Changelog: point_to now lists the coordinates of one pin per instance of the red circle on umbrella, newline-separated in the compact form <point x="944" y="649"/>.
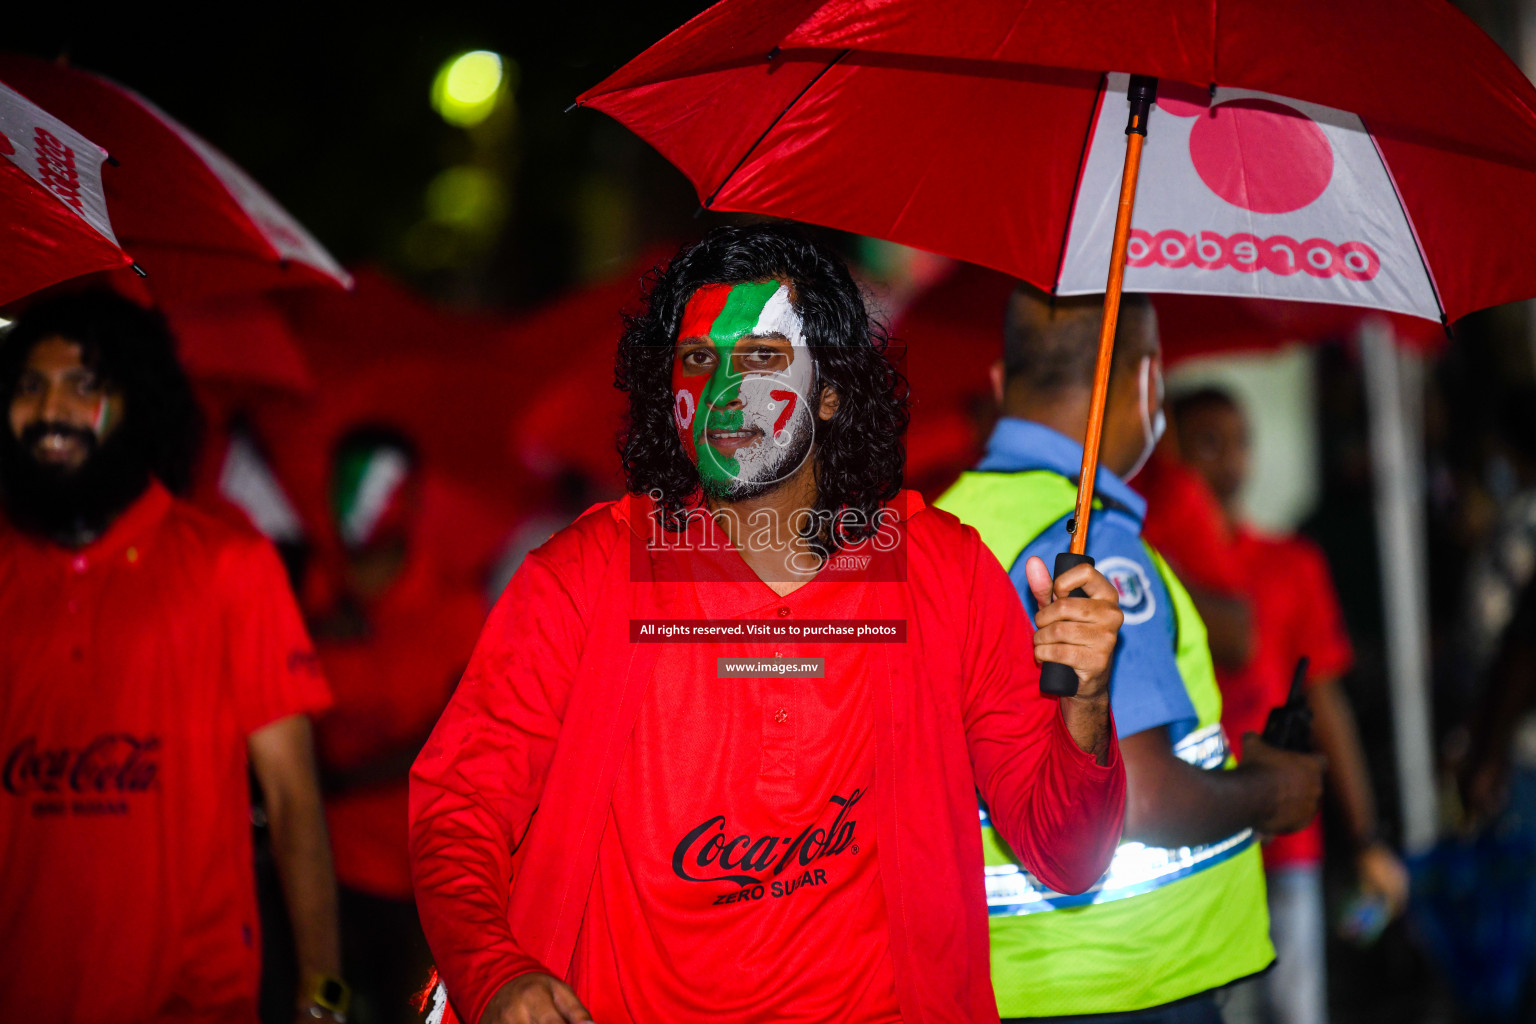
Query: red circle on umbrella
<point x="1182" y="99"/>
<point x="1261" y="155"/>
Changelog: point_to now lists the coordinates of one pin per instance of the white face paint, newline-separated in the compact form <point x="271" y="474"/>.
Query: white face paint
<point x="1152" y="424"/>
<point x="778" y="404"/>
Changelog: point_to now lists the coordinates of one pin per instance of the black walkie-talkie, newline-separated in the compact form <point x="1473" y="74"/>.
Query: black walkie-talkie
<point x="1289" y="726"/>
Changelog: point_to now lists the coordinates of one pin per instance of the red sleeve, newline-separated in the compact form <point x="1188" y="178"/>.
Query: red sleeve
<point x="272" y="664"/>
<point x="1058" y="809"/>
<point x="1321" y="633"/>
<point x="478" y="780"/>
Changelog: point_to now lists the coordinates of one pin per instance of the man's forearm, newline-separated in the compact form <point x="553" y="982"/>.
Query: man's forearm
<point x="283" y="758"/>
<point x="1172" y="803"/>
<point x="1087" y="720"/>
<point x="1333" y="725"/>
<point x="303" y="854"/>
<point x="1212" y="806"/>
<point x="461" y="863"/>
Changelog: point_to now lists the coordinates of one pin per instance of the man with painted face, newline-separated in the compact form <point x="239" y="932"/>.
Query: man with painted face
<point x="393" y="643"/>
<point x="775" y="821"/>
<point x="745" y="419"/>
<point x="149" y="654"/>
<point x="1181" y="911"/>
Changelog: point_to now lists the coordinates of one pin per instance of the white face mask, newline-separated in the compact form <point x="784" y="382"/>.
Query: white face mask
<point x="1152" y="424"/>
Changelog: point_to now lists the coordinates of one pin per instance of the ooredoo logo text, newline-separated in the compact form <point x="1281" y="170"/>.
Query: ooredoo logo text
<point x="1260" y="155"/>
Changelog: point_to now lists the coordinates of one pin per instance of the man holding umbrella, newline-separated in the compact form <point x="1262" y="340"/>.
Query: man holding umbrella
<point x="779" y="828"/>
<point x="1181" y="911"/>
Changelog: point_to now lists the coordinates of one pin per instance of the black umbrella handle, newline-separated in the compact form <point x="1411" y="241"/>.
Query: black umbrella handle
<point x="1057" y="680"/>
<point x="1142" y="93"/>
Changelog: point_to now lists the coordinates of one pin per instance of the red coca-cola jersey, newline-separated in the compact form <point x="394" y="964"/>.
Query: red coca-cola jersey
<point x="131" y="673"/>
<point x="771" y="845"/>
<point x="1296" y="614"/>
<point x="511" y="797"/>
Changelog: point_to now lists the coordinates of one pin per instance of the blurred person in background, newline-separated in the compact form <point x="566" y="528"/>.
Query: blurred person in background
<point x="151" y="654"/>
<point x="1296" y="614"/>
<point x="1186" y="523"/>
<point x="1181" y="912"/>
<point x="612" y="830"/>
<point x="392" y="646"/>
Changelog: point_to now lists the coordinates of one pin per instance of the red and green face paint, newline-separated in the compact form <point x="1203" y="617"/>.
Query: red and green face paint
<point x="368" y="495"/>
<point x="744" y="416"/>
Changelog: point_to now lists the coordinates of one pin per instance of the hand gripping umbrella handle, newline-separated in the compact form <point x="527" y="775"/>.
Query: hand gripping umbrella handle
<point x="1057" y="680"/>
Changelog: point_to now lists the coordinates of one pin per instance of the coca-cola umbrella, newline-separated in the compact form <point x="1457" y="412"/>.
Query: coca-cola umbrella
<point x="196" y="223"/>
<point x="56" y="225"/>
<point x="1379" y="153"/>
<point x="242" y="342"/>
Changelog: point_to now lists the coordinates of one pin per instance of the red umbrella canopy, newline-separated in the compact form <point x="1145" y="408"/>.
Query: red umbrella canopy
<point x="196" y="223"/>
<point x="381" y="319"/>
<point x="572" y="420"/>
<point x="243" y="341"/>
<point x="381" y="355"/>
<point x="1374" y="153"/>
<point x="952" y="334"/>
<point x="56" y="224"/>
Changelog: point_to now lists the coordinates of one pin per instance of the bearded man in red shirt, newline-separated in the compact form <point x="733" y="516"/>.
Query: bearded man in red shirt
<point x="149" y="654"/>
<point x="717" y="752"/>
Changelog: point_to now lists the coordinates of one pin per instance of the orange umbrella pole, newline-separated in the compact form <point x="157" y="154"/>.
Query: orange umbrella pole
<point x="1142" y="92"/>
<point x="1060" y="680"/>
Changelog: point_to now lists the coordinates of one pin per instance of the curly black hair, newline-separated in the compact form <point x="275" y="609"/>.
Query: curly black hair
<point x="859" y="453"/>
<point x="132" y="349"/>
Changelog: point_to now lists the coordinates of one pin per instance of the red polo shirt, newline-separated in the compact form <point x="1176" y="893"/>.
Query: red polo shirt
<point x="1187" y="526"/>
<point x="133" y="671"/>
<point x="771" y="851"/>
<point x="1296" y="613"/>
<point x="555" y="777"/>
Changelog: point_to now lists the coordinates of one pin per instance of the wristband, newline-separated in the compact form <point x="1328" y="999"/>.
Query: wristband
<point x="329" y="994"/>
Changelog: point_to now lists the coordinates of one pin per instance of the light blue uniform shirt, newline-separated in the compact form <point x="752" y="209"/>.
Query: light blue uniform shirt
<point x="1145" y="689"/>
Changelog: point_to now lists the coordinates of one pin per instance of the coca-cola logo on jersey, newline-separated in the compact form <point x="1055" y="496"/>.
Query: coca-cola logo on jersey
<point x="711" y="852"/>
<point x="111" y="764"/>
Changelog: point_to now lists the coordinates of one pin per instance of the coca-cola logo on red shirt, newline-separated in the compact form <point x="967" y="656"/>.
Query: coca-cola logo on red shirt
<point x="111" y="763"/>
<point x="709" y="853"/>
